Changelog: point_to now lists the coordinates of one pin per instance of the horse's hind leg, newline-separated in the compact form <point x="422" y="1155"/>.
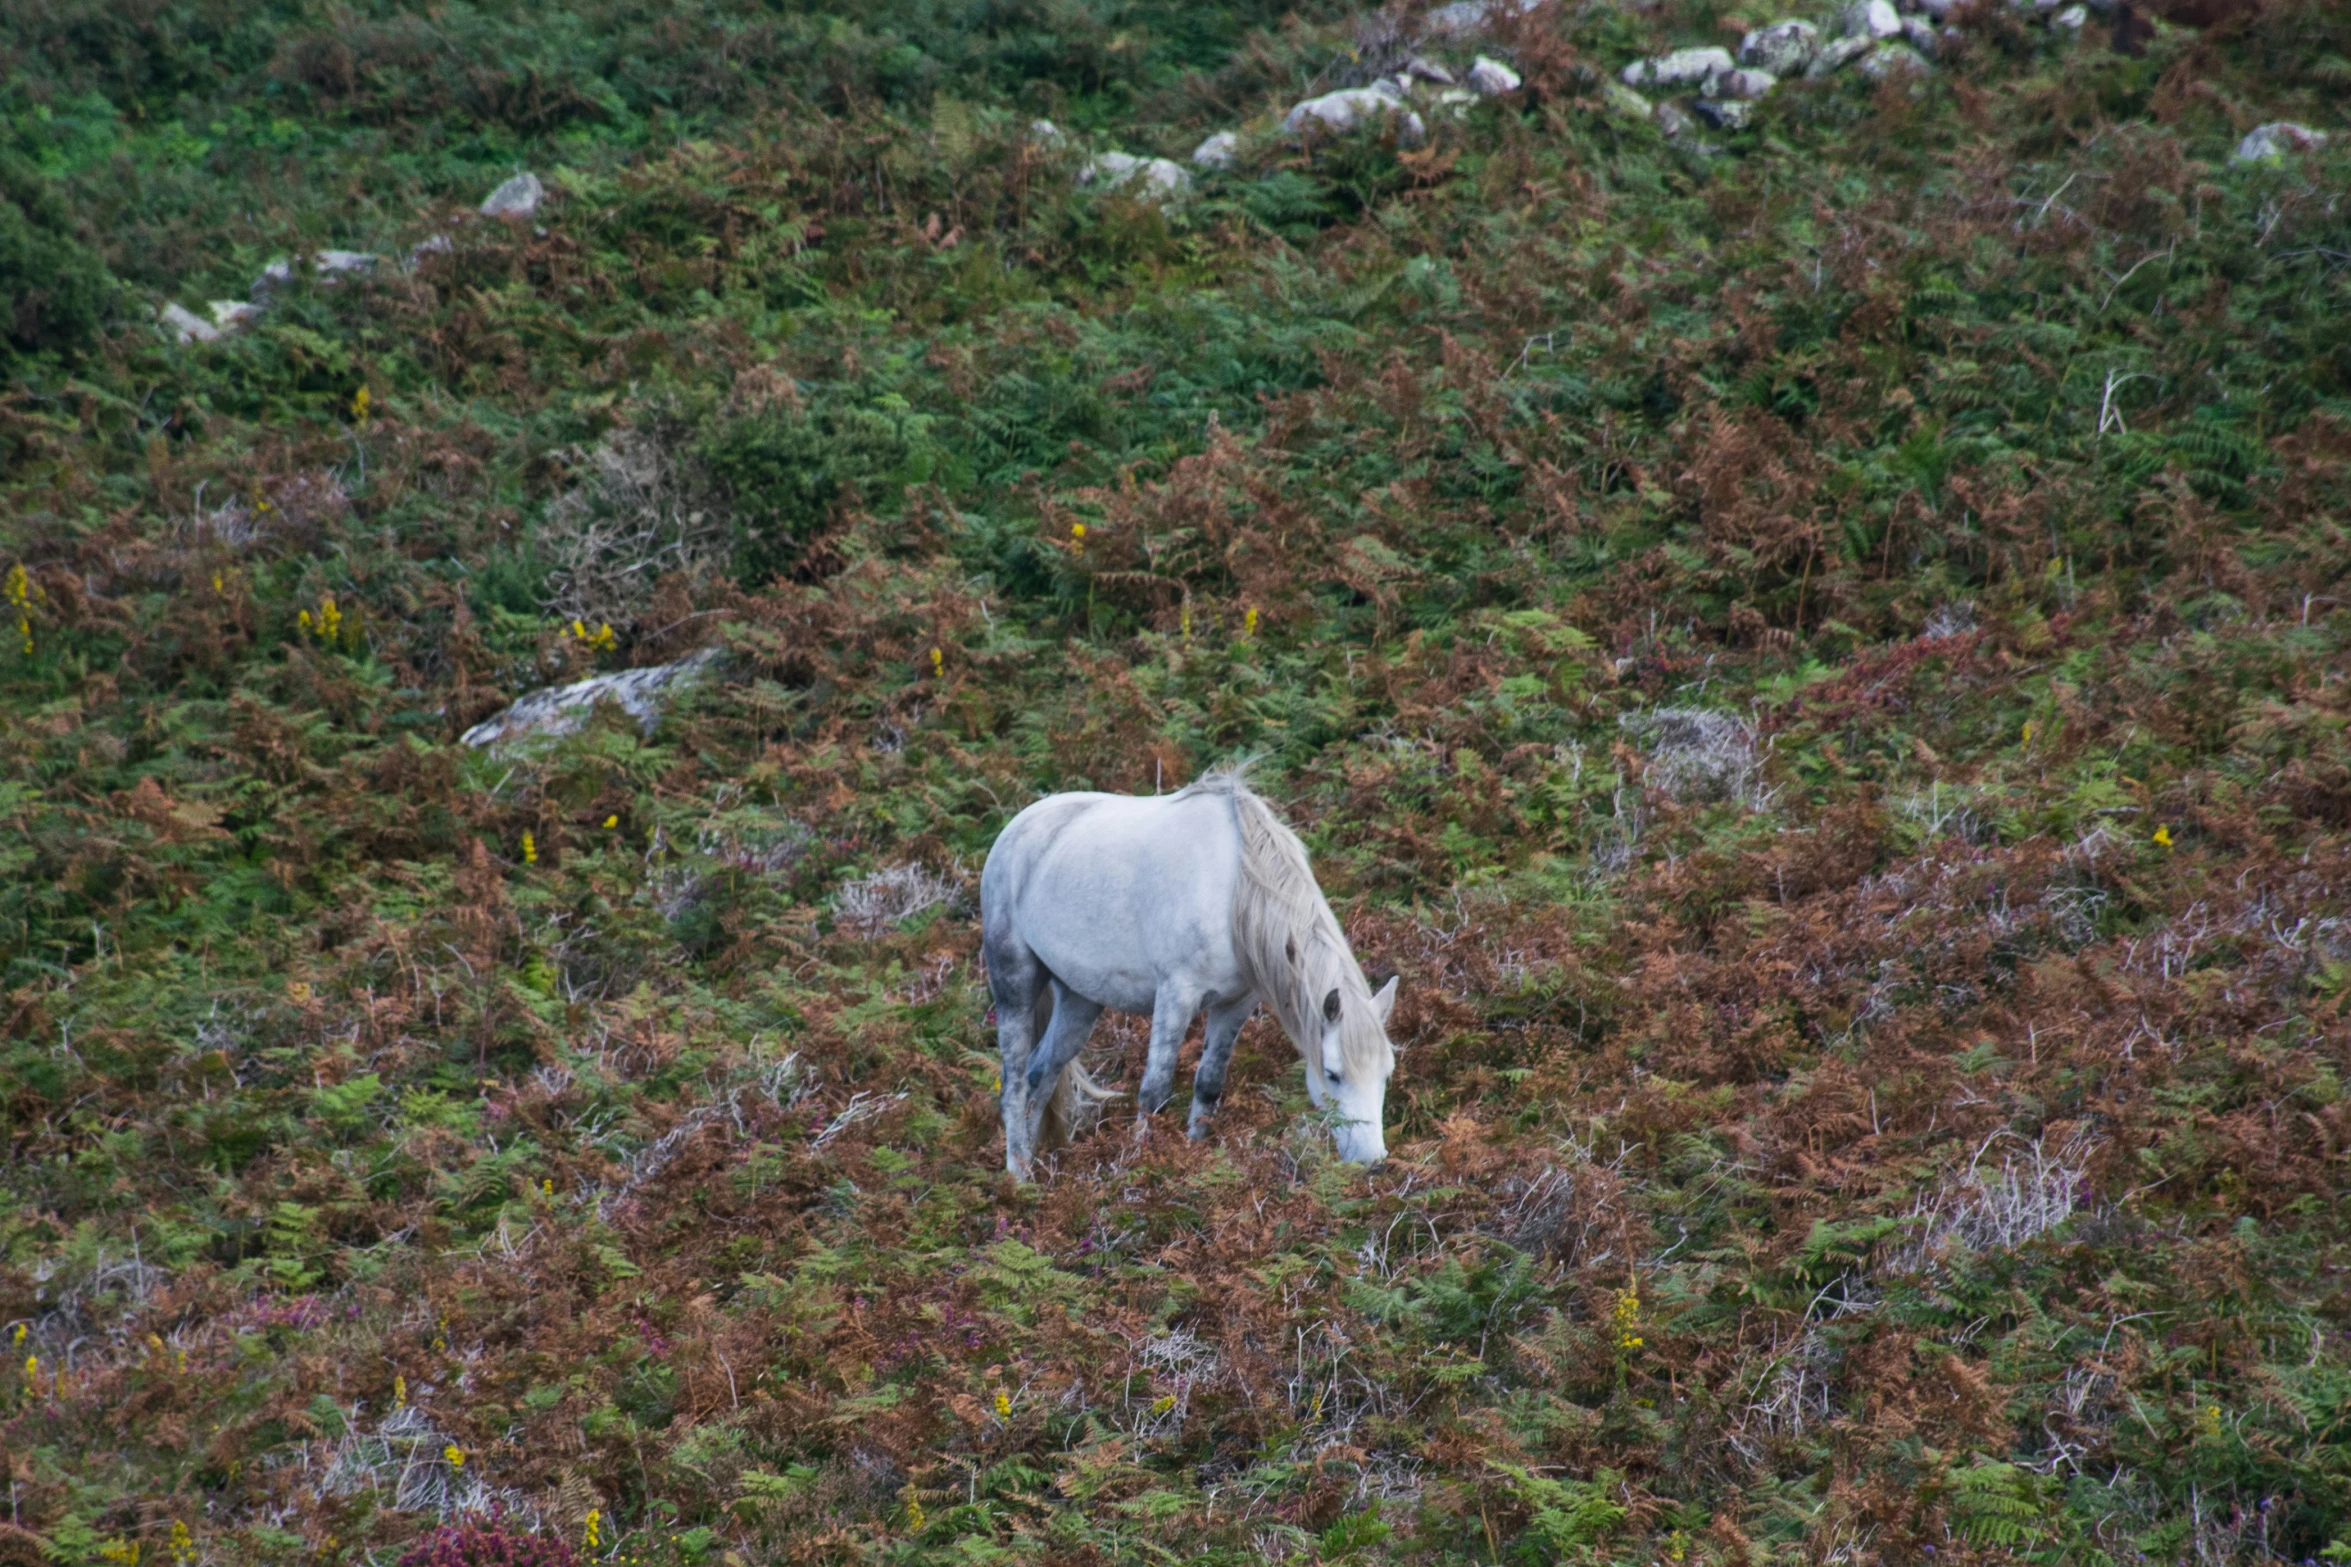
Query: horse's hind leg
<point x="1224" y="1027"/>
<point x="1016" y="981"/>
<point x="1073" y="1020"/>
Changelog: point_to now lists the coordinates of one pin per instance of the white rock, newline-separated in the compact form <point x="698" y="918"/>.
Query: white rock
<point x="1838" y="54"/>
<point x="1682" y="68"/>
<point x="1673" y="122"/>
<point x="518" y="197"/>
<point x="1921" y="35"/>
<point x="1870" y="19"/>
<point x="1352" y="107"/>
<point x="1153" y="179"/>
<point x="563" y="710"/>
<point x="231" y="315"/>
<point x="334" y="263"/>
<point x="1725" y="114"/>
<point x="2275" y="140"/>
<point x="1045" y="131"/>
<point x="1783" y="48"/>
<point x="1419" y="69"/>
<point x="1218" y="151"/>
<point x="2072" y="19"/>
<point x="187" y="326"/>
<point x="1741" y="84"/>
<point x="1894" y="60"/>
<point x="1491" y="78"/>
<point x="432" y="245"/>
<point x="1620" y="99"/>
<point x="1470" y="16"/>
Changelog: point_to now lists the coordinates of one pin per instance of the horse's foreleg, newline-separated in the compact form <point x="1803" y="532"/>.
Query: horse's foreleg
<point x="1224" y="1027"/>
<point x="1171" y="1015"/>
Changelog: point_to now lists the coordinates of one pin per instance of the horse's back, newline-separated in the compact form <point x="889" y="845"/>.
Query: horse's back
<point x="1115" y="892"/>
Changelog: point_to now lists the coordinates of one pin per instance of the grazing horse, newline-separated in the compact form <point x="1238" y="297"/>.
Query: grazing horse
<point x="1166" y="906"/>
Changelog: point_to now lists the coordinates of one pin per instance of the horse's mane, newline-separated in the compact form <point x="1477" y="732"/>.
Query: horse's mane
<point x="1291" y="948"/>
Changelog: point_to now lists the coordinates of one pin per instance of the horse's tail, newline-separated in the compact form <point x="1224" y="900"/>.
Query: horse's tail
<point x="1073" y="1109"/>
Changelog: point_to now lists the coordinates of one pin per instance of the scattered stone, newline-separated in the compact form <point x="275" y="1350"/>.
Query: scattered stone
<point x="1218" y="151"/>
<point x="1157" y="179"/>
<point x="435" y="245"/>
<point x="563" y="710"/>
<point x="1045" y="131"/>
<point x="1491" y="78"/>
<point x="1725" y="114"/>
<point x="1352" y="107"/>
<point x="187" y="326"/>
<point x="1836" y="55"/>
<point x="519" y="197"/>
<point x="1470" y="16"/>
<point x="2274" y="140"/>
<point x="1455" y="101"/>
<point x="1420" y="69"/>
<point x="1889" y="60"/>
<point x="231" y="315"/>
<point x="1921" y="35"/>
<point x="334" y="263"/>
<point x="1683" y="67"/>
<point x="2072" y="19"/>
<point x="1674" y="123"/>
<point x="1783" y="48"/>
<point x="1622" y="100"/>
<point x="1741" y="84"/>
<point x="1870" y="19"/>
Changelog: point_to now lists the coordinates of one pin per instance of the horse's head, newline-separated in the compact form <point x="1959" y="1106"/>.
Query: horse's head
<point x="1349" y="1073"/>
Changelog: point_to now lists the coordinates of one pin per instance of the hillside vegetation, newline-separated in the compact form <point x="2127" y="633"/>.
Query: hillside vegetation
<point x="1820" y="659"/>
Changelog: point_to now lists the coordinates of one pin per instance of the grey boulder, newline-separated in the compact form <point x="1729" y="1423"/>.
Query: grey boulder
<point x="518" y="197"/>
<point x="1783" y="48"/>
<point x="1682" y="68"/>
<point x="561" y="710"/>
<point x="2267" y="142"/>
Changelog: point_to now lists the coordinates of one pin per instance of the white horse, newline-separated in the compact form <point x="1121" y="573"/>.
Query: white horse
<point x="1165" y="906"/>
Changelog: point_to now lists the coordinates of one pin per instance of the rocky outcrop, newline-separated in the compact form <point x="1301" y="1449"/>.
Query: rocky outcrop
<point x="562" y="710"/>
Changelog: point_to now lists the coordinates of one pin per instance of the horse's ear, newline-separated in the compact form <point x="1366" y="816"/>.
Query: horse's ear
<point x="1383" y="1000"/>
<point x="1330" y="1006"/>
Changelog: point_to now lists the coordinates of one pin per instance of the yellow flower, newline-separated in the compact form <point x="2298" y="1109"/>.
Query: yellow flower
<point x="303" y="620"/>
<point x="1185" y="619"/>
<point x="399" y="1392"/>
<point x="1249" y="622"/>
<point x="612" y="821"/>
<point x="17" y="1338"/>
<point x="183" y="1544"/>
<point x="530" y="849"/>
<point x="455" y="1455"/>
<point x="2027" y="737"/>
<point x="2163" y="837"/>
<point x="938" y="664"/>
<point x="1003" y="1405"/>
<point x="359" y="405"/>
<point x="546" y="1187"/>
<point x="1077" y="531"/>
<point x="1168" y="1403"/>
<point x="1628" y="1317"/>
<point x="593" y="1535"/>
<point x="914" y="1520"/>
<point x="32" y="1369"/>
<point x="217" y="586"/>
